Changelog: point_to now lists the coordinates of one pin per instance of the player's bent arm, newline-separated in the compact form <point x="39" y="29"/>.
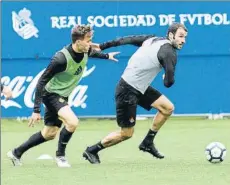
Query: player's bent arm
<point x="169" y="79"/>
<point x="57" y="65"/>
<point x="135" y="40"/>
<point x="167" y="58"/>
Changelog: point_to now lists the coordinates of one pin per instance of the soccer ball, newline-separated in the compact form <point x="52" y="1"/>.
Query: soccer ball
<point x="215" y="152"/>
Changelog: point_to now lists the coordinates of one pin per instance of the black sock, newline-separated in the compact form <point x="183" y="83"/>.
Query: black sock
<point x="150" y="137"/>
<point x="34" y="140"/>
<point x="96" y="148"/>
<point x="64" y="138"/>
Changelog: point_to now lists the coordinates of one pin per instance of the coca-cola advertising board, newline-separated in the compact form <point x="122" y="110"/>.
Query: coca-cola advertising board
<point x="30" y="39"/>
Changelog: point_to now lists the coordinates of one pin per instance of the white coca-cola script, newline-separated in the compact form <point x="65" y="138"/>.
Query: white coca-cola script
<point x="26" y="85"/>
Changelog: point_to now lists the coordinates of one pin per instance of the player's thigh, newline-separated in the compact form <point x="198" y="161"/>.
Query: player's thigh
<point x="67" y="115"/>
<point x="164" y="105"/>
<point x="126" y="105"/>
<point x="126" y="115"/>
<point x="53" y="103"/>
<point x="51" y="118"/>
<point x="150" y="96"/>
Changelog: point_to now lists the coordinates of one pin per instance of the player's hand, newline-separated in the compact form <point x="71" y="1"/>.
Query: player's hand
<point x="112" y="55"/>
<point x="95" y="46"/>
<point x="34" y="118"/>
<point x="7" y="92"/>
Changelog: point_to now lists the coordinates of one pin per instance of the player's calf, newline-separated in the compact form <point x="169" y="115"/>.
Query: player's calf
<point x="70" y="121"/>
<point x="165" y="108"/>
<point x="91" y="153"/>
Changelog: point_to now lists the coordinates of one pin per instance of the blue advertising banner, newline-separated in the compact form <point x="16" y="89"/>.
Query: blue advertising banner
<point x="33" y="31"/>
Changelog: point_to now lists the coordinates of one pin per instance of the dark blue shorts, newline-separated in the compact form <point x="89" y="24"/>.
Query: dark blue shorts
<point x="127" y="98"/>
<point x="53" y="103"/>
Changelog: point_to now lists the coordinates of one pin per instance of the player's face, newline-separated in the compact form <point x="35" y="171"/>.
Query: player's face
<point x="179" y="38"/>
<point x="84" y="45"/>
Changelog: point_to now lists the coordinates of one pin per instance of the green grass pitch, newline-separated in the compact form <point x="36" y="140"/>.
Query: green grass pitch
<point x="181" y="140"/>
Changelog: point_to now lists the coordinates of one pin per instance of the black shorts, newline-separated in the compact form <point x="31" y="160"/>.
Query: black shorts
<point x="127" y="98"/>
<point x="53" y="103"/>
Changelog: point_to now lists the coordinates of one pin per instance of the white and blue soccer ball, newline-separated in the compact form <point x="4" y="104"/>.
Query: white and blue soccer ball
<point x="215" y="152"/>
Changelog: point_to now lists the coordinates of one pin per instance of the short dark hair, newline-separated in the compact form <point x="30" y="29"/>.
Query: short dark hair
<point x="78" y="32"/>
<point x="174" y="27"/>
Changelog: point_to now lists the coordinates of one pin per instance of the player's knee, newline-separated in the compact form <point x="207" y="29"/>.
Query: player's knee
<point x="49" y="134"/>
<point x="126" y="133"/>
<point x="126" y="137"/>
<point x="72" y="124"/>
<point x="168" y="110"/>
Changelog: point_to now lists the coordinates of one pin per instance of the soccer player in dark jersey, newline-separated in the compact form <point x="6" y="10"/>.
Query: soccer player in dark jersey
<point x="53" y="88"/>
<point x="134" y="88"/>
<point x="6" y="91"/>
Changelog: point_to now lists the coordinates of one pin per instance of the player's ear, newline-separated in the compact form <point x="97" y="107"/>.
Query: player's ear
<point x="77" y="42"/>
<point x="171" y="36"/>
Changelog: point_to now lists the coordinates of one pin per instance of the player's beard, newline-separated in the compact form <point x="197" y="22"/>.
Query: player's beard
<point x="174" y="44"/>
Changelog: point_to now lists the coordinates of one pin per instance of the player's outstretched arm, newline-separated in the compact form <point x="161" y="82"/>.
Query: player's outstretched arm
<point x="98" y="54"/>
<point x="135" y="40"/>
